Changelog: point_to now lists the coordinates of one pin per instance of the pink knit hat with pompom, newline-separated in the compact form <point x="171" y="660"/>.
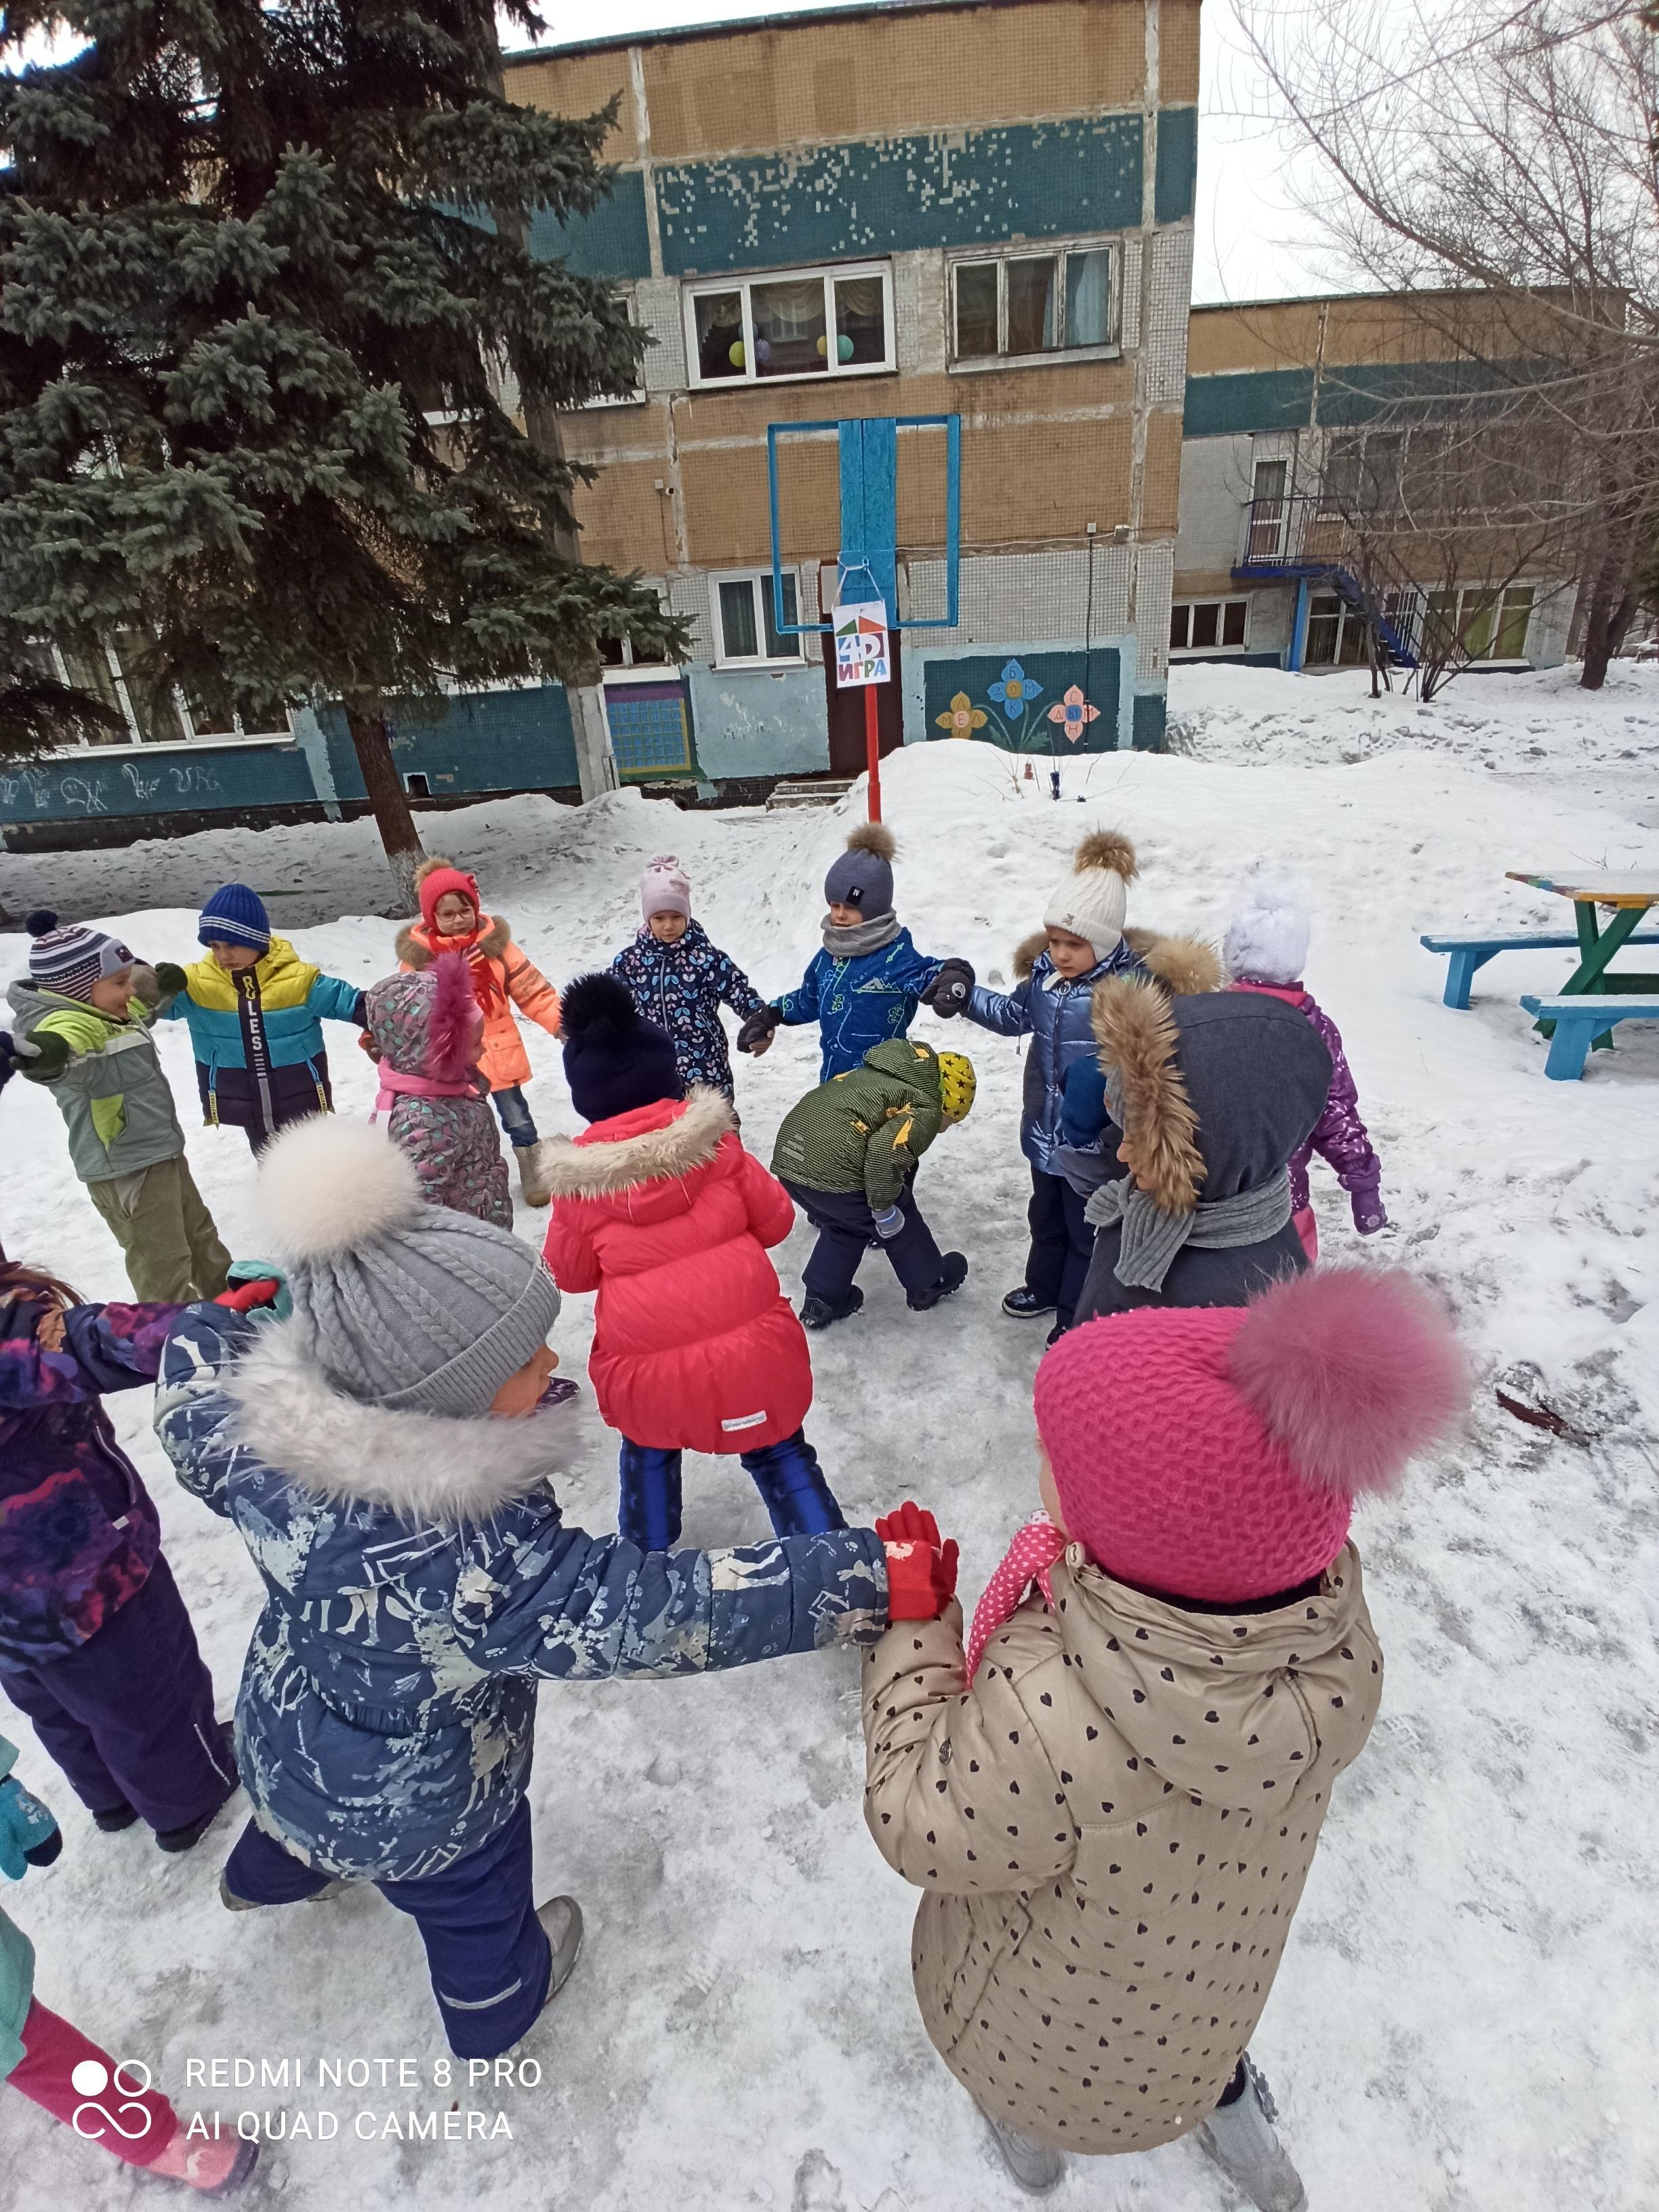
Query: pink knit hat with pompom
<point x="664" y="888"/>
<point x="1216" y="1452"/>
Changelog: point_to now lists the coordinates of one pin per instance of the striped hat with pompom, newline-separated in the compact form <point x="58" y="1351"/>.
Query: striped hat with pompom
<point x="69" y="961"/>
<point x="1092" y="902"/>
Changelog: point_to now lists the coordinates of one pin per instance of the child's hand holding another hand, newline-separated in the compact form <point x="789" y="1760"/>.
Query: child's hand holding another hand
<point x="921" y="1570"/>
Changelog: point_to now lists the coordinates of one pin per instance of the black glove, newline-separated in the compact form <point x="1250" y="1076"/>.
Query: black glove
<point x="170" y="981"/>
<point x="757" y="1029"/>
<point x="16" y="1053"/>
<point x="951" y="989"/>
<point x="51" y="1056"/>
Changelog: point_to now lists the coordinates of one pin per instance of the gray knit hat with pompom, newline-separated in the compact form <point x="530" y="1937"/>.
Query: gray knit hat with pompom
<point x="411" y="1306"/>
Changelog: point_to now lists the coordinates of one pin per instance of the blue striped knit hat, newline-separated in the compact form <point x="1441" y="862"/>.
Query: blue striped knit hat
<point x="70" y="961"/>
<point x="236" y="915"/>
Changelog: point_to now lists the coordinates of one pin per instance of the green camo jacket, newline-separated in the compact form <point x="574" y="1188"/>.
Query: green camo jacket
<point x="867" y="1129"/>
<point x="113" y="1095"/>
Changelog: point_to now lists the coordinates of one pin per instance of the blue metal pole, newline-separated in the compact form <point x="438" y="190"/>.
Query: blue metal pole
<point x="1298" y="628"/>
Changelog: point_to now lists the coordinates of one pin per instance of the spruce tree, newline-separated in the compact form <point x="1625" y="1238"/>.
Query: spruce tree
<point x="264" y="284"/>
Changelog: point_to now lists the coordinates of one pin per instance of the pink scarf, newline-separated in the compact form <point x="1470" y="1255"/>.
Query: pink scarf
<point x="395" y="1085"/>
<point x="1028" y="1559"/>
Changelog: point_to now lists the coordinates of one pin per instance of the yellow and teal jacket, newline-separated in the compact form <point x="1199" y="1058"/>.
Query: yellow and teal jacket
<point x="257" y="1035"/>
<point x="112" y="1094"/>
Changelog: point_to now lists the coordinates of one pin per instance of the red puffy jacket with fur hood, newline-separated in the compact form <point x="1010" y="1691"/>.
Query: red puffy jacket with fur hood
<point x="664" y="1214"/>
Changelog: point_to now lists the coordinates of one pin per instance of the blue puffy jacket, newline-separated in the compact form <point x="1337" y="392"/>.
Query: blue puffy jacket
<point x="419" y="1580"/>
<point x="1056" y="1015"/>
<point x="859" y="1003"/>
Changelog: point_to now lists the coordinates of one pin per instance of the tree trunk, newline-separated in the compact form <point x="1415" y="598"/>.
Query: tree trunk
<point x="1604" y="634"/>
<point x="371" y="740"/>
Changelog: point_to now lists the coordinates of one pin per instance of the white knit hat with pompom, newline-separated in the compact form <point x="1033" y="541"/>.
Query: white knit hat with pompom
<point x="1092" y="901"/>
<point x="1268" y="936"/>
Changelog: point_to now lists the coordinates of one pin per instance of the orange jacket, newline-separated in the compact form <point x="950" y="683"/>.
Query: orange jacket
<point x="504" y="1059"/>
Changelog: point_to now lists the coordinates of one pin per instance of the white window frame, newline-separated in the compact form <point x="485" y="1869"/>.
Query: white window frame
<point x="1221" y="601"/>
<point x="702" y="287"/>
<point x="136" y="742"/>
<point x="1048" y="249"/>
<point x="1501" y="593"/>
<point x="761" y="580"/>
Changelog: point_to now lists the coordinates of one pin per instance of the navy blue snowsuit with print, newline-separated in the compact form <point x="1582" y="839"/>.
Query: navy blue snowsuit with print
<point x="859" y="1003"/>
<point x="681" y="987"/>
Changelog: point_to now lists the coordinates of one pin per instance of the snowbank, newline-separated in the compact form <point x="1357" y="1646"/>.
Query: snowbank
<point x="1464" y="2019"/>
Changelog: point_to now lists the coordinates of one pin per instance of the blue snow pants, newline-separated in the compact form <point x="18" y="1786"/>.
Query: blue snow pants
<point x="788" y="1476"/>
<point x="488" y="1954"/>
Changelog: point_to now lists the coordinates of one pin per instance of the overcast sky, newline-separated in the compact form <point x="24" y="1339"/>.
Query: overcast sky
<point x="1252" y="244"/>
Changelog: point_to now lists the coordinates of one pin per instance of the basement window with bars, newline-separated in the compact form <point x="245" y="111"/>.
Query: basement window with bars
<point x="1034" y="307"/>
<point x="1208" y="626"/>
<point x="810" y="322"/>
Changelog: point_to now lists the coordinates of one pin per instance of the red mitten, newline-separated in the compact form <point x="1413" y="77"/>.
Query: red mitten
<point x="921" y="1571"/>
<point x="247" y="1296"/>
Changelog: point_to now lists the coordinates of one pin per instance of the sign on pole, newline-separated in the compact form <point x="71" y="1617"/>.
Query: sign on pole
<point x="861" y="652"/>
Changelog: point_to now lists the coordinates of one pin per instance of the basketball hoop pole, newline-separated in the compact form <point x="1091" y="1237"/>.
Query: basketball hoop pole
<point x="872" y="749"/>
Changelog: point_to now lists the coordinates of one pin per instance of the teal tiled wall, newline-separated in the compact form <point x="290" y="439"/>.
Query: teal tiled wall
<point x="488" y="741"/>
<point x="90" y="785"/>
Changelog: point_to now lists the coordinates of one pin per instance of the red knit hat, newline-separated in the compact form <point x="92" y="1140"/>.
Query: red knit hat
<point x="436" y="881"/>
<point x="1215" y="1452"/>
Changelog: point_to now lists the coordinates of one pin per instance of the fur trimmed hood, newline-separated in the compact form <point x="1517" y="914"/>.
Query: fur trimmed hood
<point x="1138" y="1040"/>
<point x="600" y="1167"/>
<point x="1181" y="965"/>
<point x="422" y="1467"/>
<point x="414" y="945"/>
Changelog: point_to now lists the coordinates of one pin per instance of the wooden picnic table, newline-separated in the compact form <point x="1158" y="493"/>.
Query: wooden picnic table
<point x="1632" y="895"/>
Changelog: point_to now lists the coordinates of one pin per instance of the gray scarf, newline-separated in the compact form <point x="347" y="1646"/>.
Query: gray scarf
<point x="1152" y="1237"/>
<point x="866" y="936"/>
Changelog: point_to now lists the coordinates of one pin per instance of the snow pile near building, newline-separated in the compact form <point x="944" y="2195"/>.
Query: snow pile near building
<point x="1463" y="2020"/>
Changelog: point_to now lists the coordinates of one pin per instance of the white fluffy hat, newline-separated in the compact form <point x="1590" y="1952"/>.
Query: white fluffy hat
<point x="1092" y="901"/>
<point x="1267" y="936"/>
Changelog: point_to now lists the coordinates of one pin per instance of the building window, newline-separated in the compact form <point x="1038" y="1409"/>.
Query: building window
<point x="1209" y="626"/>
<point x="744" y="620"/>
<point x="812" y="322"/>
<point x="1021" y="307"/>
<point x="1489" y="624"/>
<point x="153" y="714"/>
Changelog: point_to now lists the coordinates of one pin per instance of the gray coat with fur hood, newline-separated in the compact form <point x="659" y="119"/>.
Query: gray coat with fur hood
<point x="420" y="1580"/>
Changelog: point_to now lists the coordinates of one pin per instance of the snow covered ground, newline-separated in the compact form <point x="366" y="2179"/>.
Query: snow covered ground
<point x="1466" y="2017"/>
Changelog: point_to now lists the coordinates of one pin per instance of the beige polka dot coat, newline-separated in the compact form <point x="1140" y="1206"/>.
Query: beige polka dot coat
<point x="1113" y="1831"/>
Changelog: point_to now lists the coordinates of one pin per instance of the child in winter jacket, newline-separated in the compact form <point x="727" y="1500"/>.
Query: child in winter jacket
<point x="452" y="919"/>
<point x="847" y="1154"/>
<point x="1267" y="949"/>
<point x="679" y="980"/>
<point x="59" y="2068"/>
<point x="1112" y="1799"/>
<point x="419" y="1579"/>
<point x="1083" y="942"/>
<point x="84" y="1022"/>
<point x="95" y="1645"/>
<point x="256" y="1012"/>
<point x="1209" y="1097"/>
<point x="660" y="1209"/>
<point x="426" y="1032"/>
<point x="863" y="988"/>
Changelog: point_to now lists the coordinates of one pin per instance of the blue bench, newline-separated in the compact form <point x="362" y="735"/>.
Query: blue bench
<point x="1580" y="1019"/>
<point x="1468" y="953"/>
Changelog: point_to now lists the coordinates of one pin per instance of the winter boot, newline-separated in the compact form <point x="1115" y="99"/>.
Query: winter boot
<point x="1241" y="2140"/>
<point x="212" y="2167"/>
<point x="1025" y="1306"/>
<point x="561" y="1922"/>
<point x="953" y="1274"/>
<point x="1036" y="2167"/>
<point x="232" y="1903"/>
<point x="819" y="1313"/>
<point x="112" y="1822"/>
<point x="533" y="1186"/>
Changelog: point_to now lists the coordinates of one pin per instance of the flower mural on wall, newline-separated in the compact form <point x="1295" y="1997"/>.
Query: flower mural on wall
<point x="962" y="718"/>
<point x="1015" y="689"/>
<point x="1073" y="714"/>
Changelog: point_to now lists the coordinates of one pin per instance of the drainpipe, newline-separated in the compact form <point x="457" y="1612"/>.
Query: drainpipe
<point x="1298" y="651"/>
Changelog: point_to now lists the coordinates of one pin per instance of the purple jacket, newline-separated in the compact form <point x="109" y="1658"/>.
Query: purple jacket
<point x="78" y="1533"/>
<point x="1338" y="1137"/>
